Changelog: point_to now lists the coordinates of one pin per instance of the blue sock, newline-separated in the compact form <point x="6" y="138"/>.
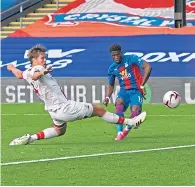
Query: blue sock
<point x="119" y="127"/>
<point x="119" y="110"/>
<point x="128" y="127"/>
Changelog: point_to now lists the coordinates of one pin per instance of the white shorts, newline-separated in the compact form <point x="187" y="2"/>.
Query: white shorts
<point x="71" y="111"/>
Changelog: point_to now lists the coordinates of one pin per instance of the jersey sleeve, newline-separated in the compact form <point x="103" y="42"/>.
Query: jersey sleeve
<point x="37" y="69"/>
<point x="26" y="74"/>
<point x="136" y="60"/>
<point x="30" y="72"/>
<point x="111" y="77"/>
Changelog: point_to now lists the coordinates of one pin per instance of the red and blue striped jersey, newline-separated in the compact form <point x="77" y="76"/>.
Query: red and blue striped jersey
<point x="128" y="72"/>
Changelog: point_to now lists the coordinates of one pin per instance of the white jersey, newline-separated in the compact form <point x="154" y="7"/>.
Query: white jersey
<point x="46" y="88"/>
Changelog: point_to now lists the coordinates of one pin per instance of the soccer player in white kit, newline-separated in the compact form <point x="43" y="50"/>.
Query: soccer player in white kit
<point x="59" y="107"/>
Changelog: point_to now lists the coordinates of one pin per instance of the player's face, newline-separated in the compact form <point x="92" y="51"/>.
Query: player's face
<point x="117" y="56"/>
<point x="41" y="59"/>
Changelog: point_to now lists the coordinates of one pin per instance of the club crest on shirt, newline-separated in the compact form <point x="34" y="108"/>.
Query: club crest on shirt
<point x="123" y="72"/>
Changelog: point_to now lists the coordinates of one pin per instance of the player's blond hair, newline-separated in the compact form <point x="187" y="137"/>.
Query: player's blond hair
<point x="35" y="51"/>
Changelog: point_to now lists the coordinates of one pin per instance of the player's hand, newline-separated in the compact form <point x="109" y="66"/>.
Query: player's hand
<point x="106" y="101"/>
<point x="47" y="70"/>
<point x="10" y="67"/>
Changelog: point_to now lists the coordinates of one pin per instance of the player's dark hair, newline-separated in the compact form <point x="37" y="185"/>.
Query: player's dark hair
<point x="115" y="47"/>
<point x="35" y="51"/>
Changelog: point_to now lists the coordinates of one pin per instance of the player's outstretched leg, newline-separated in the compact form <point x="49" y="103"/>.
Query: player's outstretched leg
<point x="23" y="140"/>
<point x="113" y="118"/>
<point x="45" y="134"/>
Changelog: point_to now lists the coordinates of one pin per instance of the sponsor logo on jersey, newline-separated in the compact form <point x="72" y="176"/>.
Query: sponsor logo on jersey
<point x="124" y="74"/>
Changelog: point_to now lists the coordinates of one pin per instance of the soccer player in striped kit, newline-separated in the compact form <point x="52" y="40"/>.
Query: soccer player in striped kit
<point x="60" y="108"/>
<point x="127" y="68"/>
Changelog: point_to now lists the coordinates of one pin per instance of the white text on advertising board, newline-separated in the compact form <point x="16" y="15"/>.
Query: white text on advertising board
<point x="65" y="57"/>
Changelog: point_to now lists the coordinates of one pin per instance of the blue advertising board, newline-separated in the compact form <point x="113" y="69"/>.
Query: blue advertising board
<point x="169" y="55"/>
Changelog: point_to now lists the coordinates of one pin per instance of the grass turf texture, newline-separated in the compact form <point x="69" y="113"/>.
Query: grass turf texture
<point x="91" y="136"/>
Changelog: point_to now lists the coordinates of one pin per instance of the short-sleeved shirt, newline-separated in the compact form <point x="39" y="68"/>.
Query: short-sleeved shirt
<point x="46" y="88"/>
<point x="128" y="72"/>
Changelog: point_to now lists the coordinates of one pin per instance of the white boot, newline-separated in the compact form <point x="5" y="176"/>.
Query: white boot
<point x="21" y="140"/>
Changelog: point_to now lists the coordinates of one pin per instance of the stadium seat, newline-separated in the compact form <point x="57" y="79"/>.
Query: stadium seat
<point x="34" y="16"/>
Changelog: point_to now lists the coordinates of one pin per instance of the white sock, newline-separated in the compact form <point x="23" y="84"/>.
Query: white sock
<point x="50" y="133"/>
<point x="113" y="118"/>
<point x="33" y="138"/>
<point x="45" y="134"/>
<point x="110" y="117"/>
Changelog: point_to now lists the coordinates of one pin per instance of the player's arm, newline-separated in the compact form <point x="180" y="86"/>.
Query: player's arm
<point x="15" y="71"/>
<point x="110" y="88"/>
<point x="109" y="92"/>
<point x="41" y="72"/>
<point x="142" y="64"/>
<point x="37" y="75"/>
<point x="147" y="70"/>
<point x="111" y="82"/>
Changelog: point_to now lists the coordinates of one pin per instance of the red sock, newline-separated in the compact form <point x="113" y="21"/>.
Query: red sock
<point x="121" y="120"/>
<point x="40" y="135"/>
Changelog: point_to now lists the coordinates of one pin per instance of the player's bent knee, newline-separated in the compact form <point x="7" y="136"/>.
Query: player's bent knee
<point x="60" y="130"/>
<point x="136" y="108"/>
<point x="118" y="101"/>
<point x="98" y="111"/>
<point x="119" y="108"/>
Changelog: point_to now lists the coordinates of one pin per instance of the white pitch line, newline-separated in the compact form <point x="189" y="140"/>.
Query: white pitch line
<point x="151" y="115"/>
<point x="95" y="155"/>
<point x="24" y="114"/>
<point x="171" y="115"/>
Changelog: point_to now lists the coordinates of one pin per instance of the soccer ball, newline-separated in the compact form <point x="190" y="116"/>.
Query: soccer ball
<point x="172" y="99"/>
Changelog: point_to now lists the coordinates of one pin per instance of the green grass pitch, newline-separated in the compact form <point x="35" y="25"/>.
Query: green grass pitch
<point x="163" y="128"/>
